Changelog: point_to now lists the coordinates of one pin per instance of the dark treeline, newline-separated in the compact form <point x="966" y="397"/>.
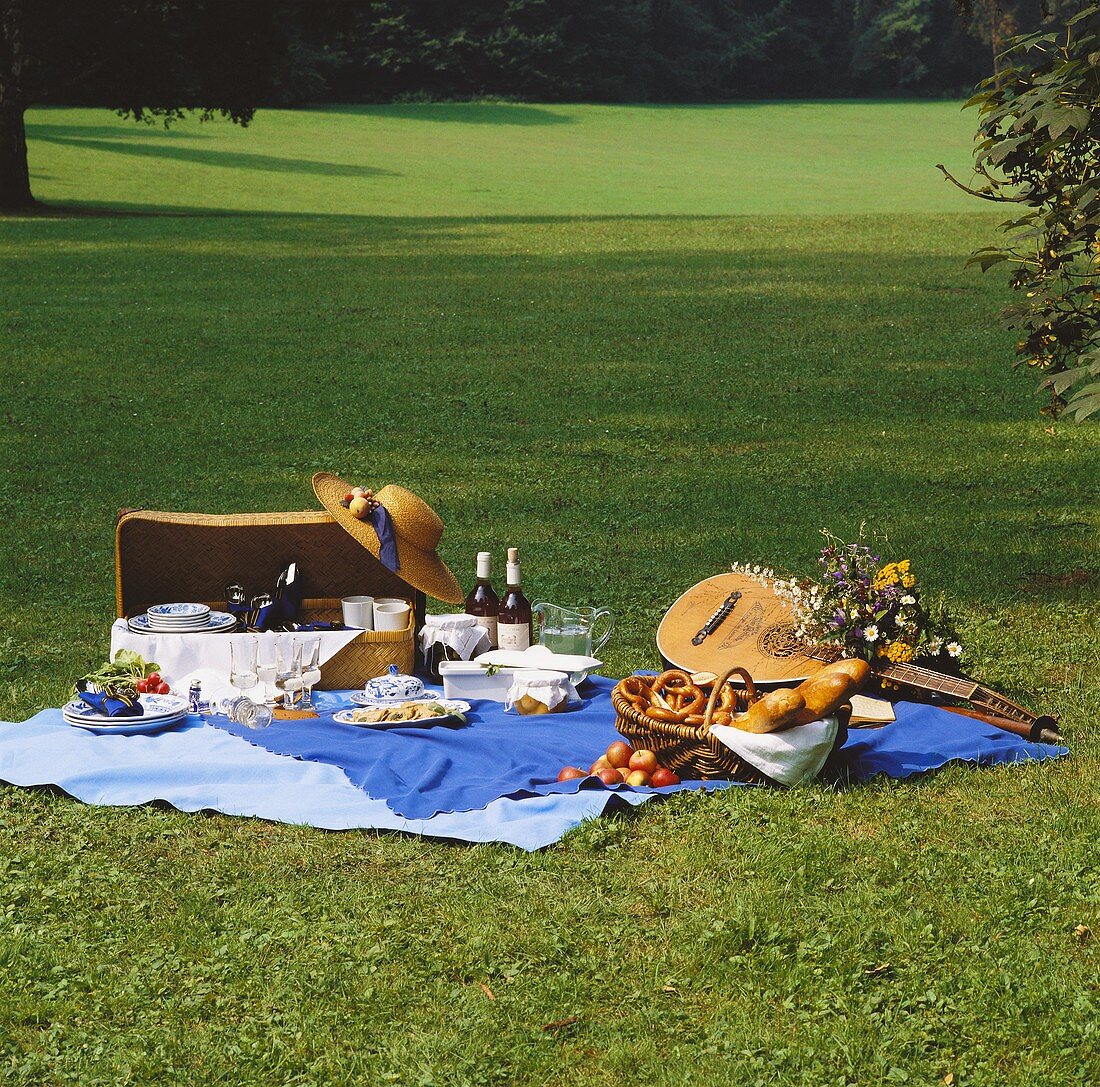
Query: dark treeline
<point x="643" y="50"/>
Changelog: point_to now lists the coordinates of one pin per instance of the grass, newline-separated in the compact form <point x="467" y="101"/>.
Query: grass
<point x="637" y="384"/>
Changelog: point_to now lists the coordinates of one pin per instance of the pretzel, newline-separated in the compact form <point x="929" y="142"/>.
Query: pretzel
<point x="682" y="696"/>
<point x="659" y="713"/>
<point x="635" y="690"/>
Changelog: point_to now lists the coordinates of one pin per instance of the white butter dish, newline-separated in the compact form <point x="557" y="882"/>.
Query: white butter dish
<point x="467" y="680"/>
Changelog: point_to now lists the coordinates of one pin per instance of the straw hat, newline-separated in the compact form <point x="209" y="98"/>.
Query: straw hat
<point x="416" y="525"/>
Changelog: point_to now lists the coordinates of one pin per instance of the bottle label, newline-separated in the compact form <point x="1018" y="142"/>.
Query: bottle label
<point x="489" y="622"/>
<point x="513" y="636"/>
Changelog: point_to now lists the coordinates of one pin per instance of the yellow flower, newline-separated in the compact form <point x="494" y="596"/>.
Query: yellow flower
<point x="899" y="652"/>
<point x="908" y="581"/>
<point x="888" y="575"/>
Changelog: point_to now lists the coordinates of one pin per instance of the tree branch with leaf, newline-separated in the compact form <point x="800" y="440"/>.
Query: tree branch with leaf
<point x="1038" y="147"/>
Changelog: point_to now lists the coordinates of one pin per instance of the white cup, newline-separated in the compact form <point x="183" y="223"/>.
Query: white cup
<point x="358" y="612"/>
<point x="391" y="614"/>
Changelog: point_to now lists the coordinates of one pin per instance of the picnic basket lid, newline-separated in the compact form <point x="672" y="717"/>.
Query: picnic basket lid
<point x="163" y="556"/>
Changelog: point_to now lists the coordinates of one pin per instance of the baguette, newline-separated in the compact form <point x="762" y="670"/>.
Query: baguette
<point x="858" y="670"/>
<point x="826" y="691"/>
<point x="776" y="710"/>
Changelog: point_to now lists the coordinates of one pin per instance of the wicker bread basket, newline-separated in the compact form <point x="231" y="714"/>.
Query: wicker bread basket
<point x="690" y="750"/>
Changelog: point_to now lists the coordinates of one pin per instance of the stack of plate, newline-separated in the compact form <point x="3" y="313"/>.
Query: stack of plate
<point x="181" y="619"/>
<point x="158" y="711"/>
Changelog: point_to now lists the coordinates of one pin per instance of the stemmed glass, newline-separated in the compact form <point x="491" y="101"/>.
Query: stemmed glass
<point x="243" y="672"/>
<point x="266" y="669"/>
<point x="311" y="669"/>
<point x="288" y="672"/>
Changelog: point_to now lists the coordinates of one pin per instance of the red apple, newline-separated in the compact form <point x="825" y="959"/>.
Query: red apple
<point x="600" y="764"/>
<point x="618" y="754"/>
<point x="610" y="776"/>
<point x="662" y="777"/>
<point x="570" y="773"/>
<point x="637" y="778"/>
<point x="643" y="760"/>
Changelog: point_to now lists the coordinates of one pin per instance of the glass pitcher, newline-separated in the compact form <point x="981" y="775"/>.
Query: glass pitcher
<point x="571" y="630"/>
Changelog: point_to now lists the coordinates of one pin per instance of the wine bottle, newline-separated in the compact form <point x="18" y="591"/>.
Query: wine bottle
<point x="483" y="600"/>
<point x="514" y="618"/>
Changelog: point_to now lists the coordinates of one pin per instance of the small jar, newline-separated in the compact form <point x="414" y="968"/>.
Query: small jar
<point x="455" y="637"/>
<point x="535" y="691"/>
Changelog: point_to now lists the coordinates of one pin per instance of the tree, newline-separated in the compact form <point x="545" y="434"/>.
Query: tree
<point x="1038" y="149"/>
<point x="149" y="59"/>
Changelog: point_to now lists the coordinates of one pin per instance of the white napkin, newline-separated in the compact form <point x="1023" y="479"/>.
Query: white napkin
<point x="458" y="632"/>
<point x="549" y="688"/>
<point x="789" y="757"/>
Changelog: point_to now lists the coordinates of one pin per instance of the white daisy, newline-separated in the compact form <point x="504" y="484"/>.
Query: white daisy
<point x="870" y="633"/>
<point x="908" y="599"/>
<point x="954" y="649"/>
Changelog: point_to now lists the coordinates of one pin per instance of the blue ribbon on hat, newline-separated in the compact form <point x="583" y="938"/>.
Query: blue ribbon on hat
<point x="387" y="538"/>
<point x="111" y="706"/>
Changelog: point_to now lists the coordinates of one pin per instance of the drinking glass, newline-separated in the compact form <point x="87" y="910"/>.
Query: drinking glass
<point x="311" y="669"/>
<point x="288" y="673"/>
<point x="243" y="711"/>
<point x="243" y="672"/>
<point x="266" y="668"/>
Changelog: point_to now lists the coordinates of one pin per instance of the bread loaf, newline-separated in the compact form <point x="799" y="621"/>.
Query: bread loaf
<point x="858" y="670"/>
<point x="824" y="695"/>
<point x="776" y="710"/>
<point x="826" y="691"/>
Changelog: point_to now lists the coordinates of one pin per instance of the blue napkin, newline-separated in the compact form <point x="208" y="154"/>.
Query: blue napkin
<point x="112" y="707"/>
<point x="387" y="538"/>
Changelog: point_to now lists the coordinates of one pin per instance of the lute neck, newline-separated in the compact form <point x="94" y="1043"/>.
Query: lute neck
<point x="915" y="676"/>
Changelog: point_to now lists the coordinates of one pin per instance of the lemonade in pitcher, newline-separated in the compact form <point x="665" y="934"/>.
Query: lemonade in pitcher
<point x="570" y="630"/>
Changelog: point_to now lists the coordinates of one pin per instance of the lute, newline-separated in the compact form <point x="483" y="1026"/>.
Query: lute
<point x="731" y="619"/>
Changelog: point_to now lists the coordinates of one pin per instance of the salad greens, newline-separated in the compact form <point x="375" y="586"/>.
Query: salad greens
<point x="119" y="675"/>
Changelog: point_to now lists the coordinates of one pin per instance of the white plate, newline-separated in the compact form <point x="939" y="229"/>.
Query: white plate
<point x="127" y="726"/>
<point x="538" y="656"/>
<point x="155" y="707"/>
<point x="175" y="612"/>
<point x="453" y="704"/>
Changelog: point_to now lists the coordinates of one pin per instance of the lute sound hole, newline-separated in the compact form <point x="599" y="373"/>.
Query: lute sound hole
<point x="779" y="641"/>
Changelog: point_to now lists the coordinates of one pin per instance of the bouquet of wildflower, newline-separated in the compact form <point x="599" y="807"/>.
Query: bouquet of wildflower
<point x="865" y="609"/>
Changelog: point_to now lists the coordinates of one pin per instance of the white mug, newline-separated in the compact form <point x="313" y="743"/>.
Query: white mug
<point x="358" y="612"/>
<point x="391" y="614"/>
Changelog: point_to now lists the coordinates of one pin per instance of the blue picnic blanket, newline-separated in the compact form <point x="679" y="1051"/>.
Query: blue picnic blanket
<point x="423" y="772"/>
<point x="200" y="767"/>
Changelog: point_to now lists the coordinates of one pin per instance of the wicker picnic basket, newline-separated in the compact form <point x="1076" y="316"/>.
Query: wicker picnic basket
<point x="690" y="750"/>
<point x="163" y="556"/>
<point x="368" y="656"/>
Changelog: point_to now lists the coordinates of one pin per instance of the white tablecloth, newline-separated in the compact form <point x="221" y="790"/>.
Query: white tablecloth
<point x="184" y="658"/>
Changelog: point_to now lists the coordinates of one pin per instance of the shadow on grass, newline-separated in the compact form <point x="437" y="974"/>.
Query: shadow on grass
<point x="466" y="113"/>
<point x="232" y="159"/>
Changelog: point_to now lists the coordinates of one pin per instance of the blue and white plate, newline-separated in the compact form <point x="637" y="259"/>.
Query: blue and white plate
<point x="178" y="611"/>
<point x="217" y="622"/>
<point x="454" y="706"/>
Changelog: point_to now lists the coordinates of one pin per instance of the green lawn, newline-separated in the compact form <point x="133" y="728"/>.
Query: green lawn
<point x="641" y="343"/>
